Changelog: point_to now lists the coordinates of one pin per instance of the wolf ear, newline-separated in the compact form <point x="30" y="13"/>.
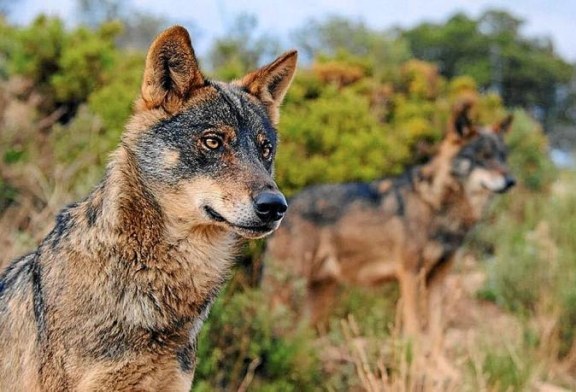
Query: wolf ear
<point x="460" y="123"/>
<point x="270" y="83"/>
<point x="171" y="71"/>
<point x="503" y="126"/>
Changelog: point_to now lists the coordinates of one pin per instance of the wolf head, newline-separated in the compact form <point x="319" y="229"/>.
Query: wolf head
<point x="480" y="163"/>
<point x="205" y="149"/>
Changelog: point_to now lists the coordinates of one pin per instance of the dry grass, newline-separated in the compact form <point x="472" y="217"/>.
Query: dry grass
<point x="46" y="169"/>
<point x="396" y="368"/>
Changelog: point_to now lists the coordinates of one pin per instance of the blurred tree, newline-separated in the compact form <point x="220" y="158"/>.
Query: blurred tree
<point x="95" y="12"/>
<point x="564" y="135"/>
<point x="525" y="72"/>
<point x="383" y="51"/>
<point x="113" y="101"/>
<point x="139" y="27"/>
<point x="7" y="43"/>
<point x="63" y="66"/>
<point x="348" y="126"/>
<point x="242" y="49"/>
<point x="139" y="30"/>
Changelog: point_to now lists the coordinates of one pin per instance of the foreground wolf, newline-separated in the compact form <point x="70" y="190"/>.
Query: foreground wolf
<point x="406" y="228"/>
<point x="114" y="296"/>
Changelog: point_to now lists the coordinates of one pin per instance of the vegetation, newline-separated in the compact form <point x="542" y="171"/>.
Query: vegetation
<point x="368" y="104"/>
<point x="525" y="72"/>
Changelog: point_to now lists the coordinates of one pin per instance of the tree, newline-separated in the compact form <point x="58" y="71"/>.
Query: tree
<point x="64" y="66"/>
<point x="139" y="27"/>
<point x="526" y="72"/>
<point x="95" y="12"/>
<point x="338" y="37"/>
<point x="241" y="49"/>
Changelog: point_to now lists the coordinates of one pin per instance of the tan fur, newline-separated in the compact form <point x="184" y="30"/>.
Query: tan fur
<point x="270" y="83"/>
<point x="171" y="49"/>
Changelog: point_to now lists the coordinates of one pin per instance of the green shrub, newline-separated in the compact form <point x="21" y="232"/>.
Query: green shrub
<point x="64" y="66"/>
<point x="242" y="330"/>
<point x="505" y="371"/>
<point x="7" y="195"/>
<point x="113" y="101"/>
<point x="533" y="272"/>
<point x="529" y="158"/>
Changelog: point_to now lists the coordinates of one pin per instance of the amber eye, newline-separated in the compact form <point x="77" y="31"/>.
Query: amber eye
<point x="266" y="150"/>
<point x="212" y="142"/>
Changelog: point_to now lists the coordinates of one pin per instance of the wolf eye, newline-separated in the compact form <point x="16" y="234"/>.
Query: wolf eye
<point x="212" y="142"/>
<point x="267" y="150"/>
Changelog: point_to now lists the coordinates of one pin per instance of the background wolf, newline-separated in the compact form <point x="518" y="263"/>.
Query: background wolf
<point x="406" y="228"/>
<point x="114" y="296"/>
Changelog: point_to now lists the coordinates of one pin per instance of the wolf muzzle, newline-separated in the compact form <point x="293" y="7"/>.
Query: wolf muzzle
<point x="509" y="182"/>
<point x="270" y="206"/>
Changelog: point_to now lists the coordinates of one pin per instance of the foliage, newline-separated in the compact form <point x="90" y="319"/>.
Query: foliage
<point x="7" y="195"/>
<point x="64" y="66"/>
<point x="382" y="51"/>
<point x="139" y="27"/>
<point x="527" y="72"/>
<point x="242" y="338"/>
<point x="314" y="131"/>
<point x="348" y="126"/>
<point x="533" y="272"/>
<point x="113" y="101"/>
<point x="505" y="372"/>
<point x="529" y="160"/>
<point x="241" y="49"/>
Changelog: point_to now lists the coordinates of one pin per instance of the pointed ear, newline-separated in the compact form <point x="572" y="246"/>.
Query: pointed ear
<point x="171" y="71"/>
<point x="460" y="123"/>
<point x="503" y="126"/>
<point x="270" y="83"/>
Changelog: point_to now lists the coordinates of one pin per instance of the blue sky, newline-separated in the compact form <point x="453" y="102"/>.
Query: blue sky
<point x="210" y="18"/>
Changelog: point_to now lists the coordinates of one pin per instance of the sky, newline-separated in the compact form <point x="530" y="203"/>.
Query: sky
<point x="555" y="19"/>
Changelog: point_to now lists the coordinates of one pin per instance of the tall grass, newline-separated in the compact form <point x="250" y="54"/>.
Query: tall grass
<point x="533" y="271"/>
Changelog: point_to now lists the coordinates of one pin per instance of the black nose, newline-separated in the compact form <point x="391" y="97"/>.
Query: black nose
<point x="510" y="182"/>
<point x="270" y="206"/>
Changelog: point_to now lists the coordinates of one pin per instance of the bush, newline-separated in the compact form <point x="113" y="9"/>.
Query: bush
<point x="113" y="101"/>
<point x="529" y="153"/>
<point x="533" y="272"/>
<point x="242" y="336"/>
<point x="505" y="371"/>
<point x="64" y="66"/>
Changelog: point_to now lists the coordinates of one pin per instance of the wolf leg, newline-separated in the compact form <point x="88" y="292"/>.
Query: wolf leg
<point x="436" y="318"/>
<point x="321" y="298"/>
<point x="409" y="297"/>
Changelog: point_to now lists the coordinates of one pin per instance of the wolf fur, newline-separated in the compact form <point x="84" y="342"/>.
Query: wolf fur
<point x="406" y="228"/>
<point x="113" y="298"/>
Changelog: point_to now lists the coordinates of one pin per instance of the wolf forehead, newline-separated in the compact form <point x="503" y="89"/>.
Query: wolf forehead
<point x="483" y="146"/>
<point x="221" y="107"/>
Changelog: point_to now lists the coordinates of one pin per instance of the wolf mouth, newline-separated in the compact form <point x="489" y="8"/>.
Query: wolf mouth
<point x="499" y="190"/>
<point x="219" y="218"/>
<point x="214" y="215"/>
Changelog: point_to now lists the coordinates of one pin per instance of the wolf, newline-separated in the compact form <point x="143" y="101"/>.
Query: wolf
<point x="406" y="228"/>
<point x="113" y="298"/>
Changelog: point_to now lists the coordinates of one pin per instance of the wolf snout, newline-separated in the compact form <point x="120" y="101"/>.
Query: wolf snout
<point x="270" y="206"/>
<point x="510" y="181"/>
